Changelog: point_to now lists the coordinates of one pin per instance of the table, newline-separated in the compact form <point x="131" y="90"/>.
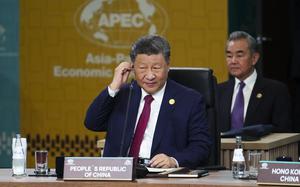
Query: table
<point x="214" y="179"/>
<point x="271" y="146"/>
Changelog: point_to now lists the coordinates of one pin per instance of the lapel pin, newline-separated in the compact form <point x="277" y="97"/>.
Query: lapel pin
<point x="259" y="95"/>
<point x="172" y="101"/>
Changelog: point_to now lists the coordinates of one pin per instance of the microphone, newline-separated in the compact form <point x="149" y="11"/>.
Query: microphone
<point x="140" y="169"/>
<point x="126" y="119"/>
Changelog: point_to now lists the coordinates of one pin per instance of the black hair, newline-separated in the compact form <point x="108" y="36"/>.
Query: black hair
<point x="151" y="44"/>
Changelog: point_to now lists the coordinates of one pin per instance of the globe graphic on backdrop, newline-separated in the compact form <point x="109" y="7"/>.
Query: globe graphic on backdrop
<point x="116" y="23"/>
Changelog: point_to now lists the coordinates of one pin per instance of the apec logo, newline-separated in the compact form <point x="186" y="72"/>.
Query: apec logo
<point x="117" y="23"/>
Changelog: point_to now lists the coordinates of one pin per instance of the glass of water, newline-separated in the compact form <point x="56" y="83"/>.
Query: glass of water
<point x="253" y="160"/>
<point x="41" y="162"/>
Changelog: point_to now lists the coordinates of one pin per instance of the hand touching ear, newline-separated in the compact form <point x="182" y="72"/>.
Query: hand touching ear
<point x="121" y="74"/>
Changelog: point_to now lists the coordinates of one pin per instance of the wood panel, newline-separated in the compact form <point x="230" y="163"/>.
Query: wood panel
<point x="271" y="147"/>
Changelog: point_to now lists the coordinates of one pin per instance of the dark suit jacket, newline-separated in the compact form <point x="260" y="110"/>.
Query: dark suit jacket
<point x="273" y="107"/>
<point x="181" y="131"/>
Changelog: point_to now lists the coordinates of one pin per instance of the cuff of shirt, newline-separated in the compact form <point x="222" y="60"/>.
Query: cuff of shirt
<point x="111" y="92"/>
<point x="177" y="165"/>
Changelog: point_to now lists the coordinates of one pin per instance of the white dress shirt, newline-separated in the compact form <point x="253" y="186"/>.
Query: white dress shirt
<point x="249" y="84"/>
<point x="145" y="149"/>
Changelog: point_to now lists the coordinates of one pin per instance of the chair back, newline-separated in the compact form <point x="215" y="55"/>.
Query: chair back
<point x="203" y="81"/>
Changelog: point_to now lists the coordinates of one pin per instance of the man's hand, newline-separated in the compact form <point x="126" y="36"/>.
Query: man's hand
<point x="162" y="161"/>
<point x="121" y="75"/>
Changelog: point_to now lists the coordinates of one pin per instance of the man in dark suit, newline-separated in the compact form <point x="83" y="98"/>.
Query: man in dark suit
<point x="264" y="101"/>
<point x="176" y="132"/>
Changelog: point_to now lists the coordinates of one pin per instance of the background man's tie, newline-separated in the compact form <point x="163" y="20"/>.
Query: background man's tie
<point x="237" y="114"/>
<point x="141" y="127"/>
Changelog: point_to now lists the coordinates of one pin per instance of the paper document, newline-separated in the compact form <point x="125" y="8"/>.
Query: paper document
<point x="162" y="170"/>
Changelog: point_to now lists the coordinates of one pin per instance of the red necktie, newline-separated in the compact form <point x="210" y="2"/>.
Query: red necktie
<point x="141" y="127"/>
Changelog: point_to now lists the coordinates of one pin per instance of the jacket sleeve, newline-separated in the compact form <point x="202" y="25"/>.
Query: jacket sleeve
<point x="281" y="115"/>
<point x="99" y="111"/>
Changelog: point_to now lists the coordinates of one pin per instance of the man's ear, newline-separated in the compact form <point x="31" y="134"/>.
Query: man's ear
<point x="255" y="58"/>
<point x="133" y="70"/>
<point x="131" y="75"/>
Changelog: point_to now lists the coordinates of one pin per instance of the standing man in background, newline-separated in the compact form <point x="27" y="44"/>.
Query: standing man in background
<point x="248" y="98"/>
<point x="166" y="122"/>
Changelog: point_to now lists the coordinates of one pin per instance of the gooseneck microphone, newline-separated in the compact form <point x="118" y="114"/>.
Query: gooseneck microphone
<point x="126" y="119"/>
<point x="140" y="170"/>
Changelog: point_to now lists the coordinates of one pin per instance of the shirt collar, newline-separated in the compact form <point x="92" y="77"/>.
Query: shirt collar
<point x="249" y="81"/>
<point x="156" y="95"/>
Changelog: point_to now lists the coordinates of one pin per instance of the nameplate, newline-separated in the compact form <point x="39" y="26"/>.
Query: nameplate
<point x="98" y="168"/>
<point x="278" y="173"/>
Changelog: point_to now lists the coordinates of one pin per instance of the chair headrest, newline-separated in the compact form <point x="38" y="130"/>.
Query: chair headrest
<point x="199" y="79"/>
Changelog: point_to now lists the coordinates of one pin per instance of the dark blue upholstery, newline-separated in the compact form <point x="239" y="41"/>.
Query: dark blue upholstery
<point x="203" y="81"/>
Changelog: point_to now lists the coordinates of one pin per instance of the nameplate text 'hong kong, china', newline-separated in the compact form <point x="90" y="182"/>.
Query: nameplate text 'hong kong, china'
<point x="278" y="173"/>
<point x="98" y="168"/>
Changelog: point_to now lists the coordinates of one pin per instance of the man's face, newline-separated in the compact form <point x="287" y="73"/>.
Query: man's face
<point x="240" y="61"/>
<point x="151" y="72"/>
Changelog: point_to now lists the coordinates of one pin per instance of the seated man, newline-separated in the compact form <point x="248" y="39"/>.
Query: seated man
<point x="248" y="98"/>
<point x="166" y="122"/>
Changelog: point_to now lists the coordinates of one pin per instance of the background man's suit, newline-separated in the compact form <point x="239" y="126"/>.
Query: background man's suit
<point x="269" y="104"/>
<point x="181" y="131"/>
